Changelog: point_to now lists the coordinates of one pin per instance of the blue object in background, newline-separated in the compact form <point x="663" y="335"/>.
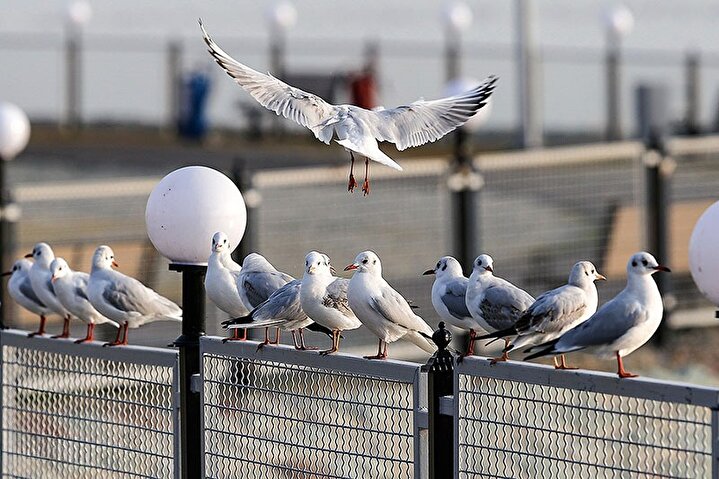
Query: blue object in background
<point x="192" y="121"/>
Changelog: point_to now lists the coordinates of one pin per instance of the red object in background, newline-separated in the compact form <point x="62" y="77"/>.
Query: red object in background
<point x="364" y="90"/>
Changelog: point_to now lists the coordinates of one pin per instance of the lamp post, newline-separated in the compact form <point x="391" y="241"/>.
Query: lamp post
<point x="14" y="135"/>
<point x="457" y="18"/>
<point x="281" y="16"/>
<point x="528" y="74"/>
<point x="184" y="210"/>
<point x="703" y="254"/>
<point x="619" y="22"/>
<point x="79" y="13"/>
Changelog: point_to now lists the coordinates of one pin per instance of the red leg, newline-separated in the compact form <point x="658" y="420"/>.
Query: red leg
<point x="335" y="343"/>
<point x="65" y="329"/>
<point x="236" y="335"/>
<point x="303" y="347"/>
<point x="381" y="353"/>
<point x="121" y="338"/>
<point x="41" y="330"/>
<point x="620" y="368"/>
<point x="352" y="182"/>
<point x="266" y="341"/>
<point x="294" y="339"/>
<point x="90" y="336"/>
<point x="365" y="185"/>
<point x="504" y="356"/>
<point x="562" y="363"/>
<point x="470" y="348"/>
<point x="277" y="336"/>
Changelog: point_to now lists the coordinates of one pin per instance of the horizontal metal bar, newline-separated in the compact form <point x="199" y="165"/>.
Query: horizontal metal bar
<point x="129" y="354"/>
<point x="446" y="405"/>
<point x="421" y="416"/>
<point x="592" y="381"/>
<point x="401" y="371"/>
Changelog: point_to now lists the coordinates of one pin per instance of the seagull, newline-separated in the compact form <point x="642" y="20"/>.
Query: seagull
<point x="40" y="280"/>
<point x="324" y="298"/>
<point x="448" y="296"/>
<point x="623" y="324"/>
<point x="355" y="128"/>
<point x="124" y="299"/>
<point x="556" y="311"/>
<point x="221" y="281"/>
<point x="382" y="309"/>
<point x="284" y="310"/>
<point x="257" y="281"/>
<point x="21" y="291"/>
<point x="71" y="289"/>
<point x="495" y="303"/>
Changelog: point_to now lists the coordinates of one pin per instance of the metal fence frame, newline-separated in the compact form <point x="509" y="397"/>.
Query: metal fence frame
<point x="588" y="381"/>
<point x="401" y="371"/>
<point x="127" y="354"/>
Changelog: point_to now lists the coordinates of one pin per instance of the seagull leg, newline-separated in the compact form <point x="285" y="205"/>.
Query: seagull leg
<point x="302" y="341"/>
<point x="504" y="356"/>
<point x="365" y="185"/>
<point x="277" y="336"/>
<point x="41" y="330"/>
<point x="90" y="336"/>
<point x="381" y="353"/>
<point x="335" y="343"/>
<point x="352" y="183"/>
<point x="236" y="335"/>
<point x="562" y="364"/>
<point x="121" y="339"/>
<point x="266" y="341"/>
<point x="65" y="329"/>
<point x="620" y="369"/>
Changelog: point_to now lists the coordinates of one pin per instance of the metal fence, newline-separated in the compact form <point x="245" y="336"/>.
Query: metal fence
<point x="71" y="410"/>
<point x="278" y="413"/>
<point x="526" y="420"/>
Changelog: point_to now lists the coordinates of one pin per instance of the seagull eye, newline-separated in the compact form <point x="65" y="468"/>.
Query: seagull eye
<point x="587" y="273"/>
<point x="444" y="267"/>
<point x="644" y="262"/>
<point x="374" y="261"/>
<point x="319" y="263"/>
<point x="634" y="263"/>
<point x="225" y="241"/>
<point x="39" y="253"/>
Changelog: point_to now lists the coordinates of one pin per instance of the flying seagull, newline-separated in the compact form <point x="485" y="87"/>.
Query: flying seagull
<point x="355" y="128"/>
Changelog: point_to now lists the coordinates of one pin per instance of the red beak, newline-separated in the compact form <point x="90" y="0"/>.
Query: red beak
<point x="29" y="255"/>
<point x="6" y="273"/>
<point x="489" y="268"/>
<point x="52" y="280"/>
<point x="429" y="271"/>
<point x="115" y="264"/>
<point x="663" y="268"/>
<point x="352" y="266"/>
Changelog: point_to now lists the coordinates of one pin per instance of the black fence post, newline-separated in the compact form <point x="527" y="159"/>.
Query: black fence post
<point x="243" y="178"/>
<point x="440" y="383"/>
<point x="193" y="327"/>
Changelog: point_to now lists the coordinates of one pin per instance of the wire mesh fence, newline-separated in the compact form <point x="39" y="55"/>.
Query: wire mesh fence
<point x="82" y="411"/>
<point x="280" y="413"/>
<point x="533" y="421"/>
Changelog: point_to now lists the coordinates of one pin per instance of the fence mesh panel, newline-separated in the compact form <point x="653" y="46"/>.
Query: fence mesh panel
<point x="67" y="415"/>
<point x="267" y="419"/>
<point x="508" y="428"/>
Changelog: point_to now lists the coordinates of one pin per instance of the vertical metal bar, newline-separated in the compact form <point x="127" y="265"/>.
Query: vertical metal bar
<point x="613" y="79"/>
<point x="440" y="382"/>
<point x="455" y="440"/>
<point x="2" y="403"/>
<point x="193" y="327"/>
<point x="452" y="54"/>
<point x="176" y="420"/>
<point x="465" y="184"/>
<point x="693" y="93"/>
<point x="174" y="78"/>
<point x="715" y="443"/>
<point x="416" y="401"/>
<point x="73" y="78"/>
<point x="243" y="178"/>
<point x="4" y="241"/>
<point x="530" y="116"/>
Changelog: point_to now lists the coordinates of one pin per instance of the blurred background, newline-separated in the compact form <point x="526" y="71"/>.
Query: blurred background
<point x="602" y="139"/>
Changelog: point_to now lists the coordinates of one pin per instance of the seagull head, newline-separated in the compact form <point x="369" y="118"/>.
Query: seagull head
<point x="21" y="265"/>
<point x="104" y="258"/>
<point x="446" y="267"/>
<point x="42" y="254"/>
<point x="643" y="263"/>
<point x="584" y="273"/>
<point x="256" y="262"/>
<point x="318" y="263"/>
<point x="59" y="268"/>
<point x="366" y="262"/>
<point x="220" y="243"/>
<point x="483" y="264"/>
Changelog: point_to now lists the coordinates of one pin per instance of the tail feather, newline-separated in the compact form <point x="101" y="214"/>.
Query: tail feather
<point x="547" y="350"/>
<point x="318" y="328"/>
<point x="247" y="322"/>
<point x="422" y="341"/>
<point x="499" y="334"/>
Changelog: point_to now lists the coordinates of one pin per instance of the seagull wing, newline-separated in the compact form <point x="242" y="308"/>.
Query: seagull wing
<point x="554" y="310"/>
<point x="304" y="108"/>
<point x="502" y="305"/>
<point x="425" y="121"/>
<point x="395" y="309"/>
<point x="26" y="289"/>
<point x="454" y="298"/>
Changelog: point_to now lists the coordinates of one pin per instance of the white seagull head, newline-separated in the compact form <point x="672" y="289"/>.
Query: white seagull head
<point x="366" y="262"/>
<point x="583" y="274"/>
<point x="59" y="268"/>
<point x="643" y="263"/>
<point x="42" y="254"/>
<point x="104" y="258"/>
<point x="446" y="267"/>
<point x="21" y="265"/>
<point x="220" y="243"/>
<point x="483" y="264"/>
<point x="318" y="263"/>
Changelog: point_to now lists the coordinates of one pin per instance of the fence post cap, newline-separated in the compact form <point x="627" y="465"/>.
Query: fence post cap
<point x="442" y="337"/>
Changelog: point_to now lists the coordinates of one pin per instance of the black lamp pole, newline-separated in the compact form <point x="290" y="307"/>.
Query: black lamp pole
<point x="193" y="327"/>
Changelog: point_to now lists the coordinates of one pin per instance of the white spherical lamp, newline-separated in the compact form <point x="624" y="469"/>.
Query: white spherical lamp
<point x="704" y="253"/>
<point x="457" y="16"/>
<point x="190" y="205"/>
<point x="14" y="131"/>
<point x="619" y="20"/>
<point x="461" y="85"/>
<point x="282" y="15"/>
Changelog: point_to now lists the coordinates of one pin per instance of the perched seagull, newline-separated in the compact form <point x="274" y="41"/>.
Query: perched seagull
<point x="495" y="303"/>
<point x="556" y="311"/>
<point x="382" y="309"/>
<point x="284" y="310"/>
<point x="221" y="281"/>
<point x="21" y="291"/>
<point x="324" y="298"/>
<point x="448" y="297"/>
<point x="623" y="324"/>
<point x="257" y="281"/>
<point x="124" y="299"/>
<point x="40" y="280"/>
<point x="357" y="129"/>
<point x="71" y="289"/>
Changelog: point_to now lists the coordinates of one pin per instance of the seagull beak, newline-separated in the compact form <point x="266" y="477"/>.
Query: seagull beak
<point x="489" y="268"/>
<point x="601" y="277"/>
<point x="333" y="270"/>
<point x="662" y="268"/>
<point x="311" y="269"/>
<point x="352" y="266"/>
<point x="52" y="280"/>
<point x="6" y="273"/>
<point x="429" y="271"/>
<point x="114" y="263"/>
<point x="29" y="255"/>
